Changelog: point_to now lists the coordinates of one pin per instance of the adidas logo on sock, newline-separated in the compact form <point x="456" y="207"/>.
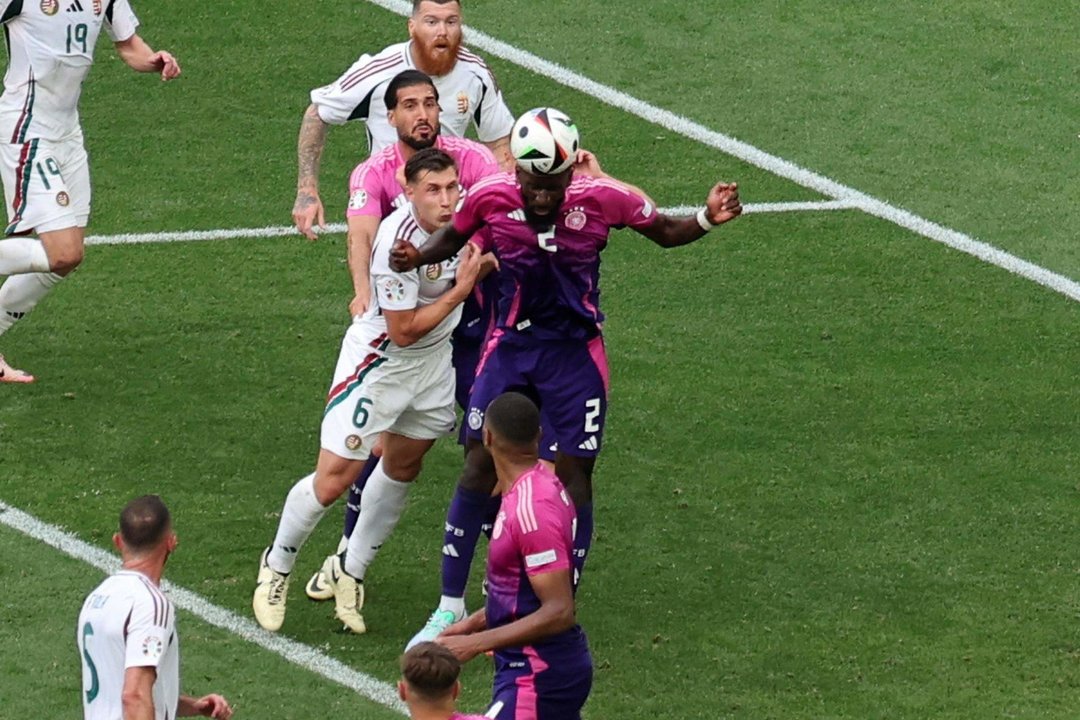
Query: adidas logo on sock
<point x="450" y="551"/>
<point x="16" y="315"/>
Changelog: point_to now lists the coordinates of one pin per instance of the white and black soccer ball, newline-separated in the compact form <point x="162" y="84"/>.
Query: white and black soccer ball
<point x="544" y="141"/>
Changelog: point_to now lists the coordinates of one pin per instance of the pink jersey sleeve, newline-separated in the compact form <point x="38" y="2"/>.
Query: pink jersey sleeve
<point x="623" y="207"/>
<point x="545" y="535"/>
<point x="365" y="190"/>
<point x="470" y="216"/>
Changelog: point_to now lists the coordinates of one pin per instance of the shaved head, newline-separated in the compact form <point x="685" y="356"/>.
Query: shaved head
<point x="514" y="419"/>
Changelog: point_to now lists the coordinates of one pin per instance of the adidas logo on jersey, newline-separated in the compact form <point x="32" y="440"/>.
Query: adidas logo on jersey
<point x="518" y="215"/>
<point x="75" y="6"/>
<point x="590" y="444"/>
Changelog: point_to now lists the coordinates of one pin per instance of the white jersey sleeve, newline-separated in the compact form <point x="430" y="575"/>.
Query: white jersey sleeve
<point x="393" y="290"/>
<point x="120" y="20"/>
<point x="350" y="96"/>
<point x="149" y="630"/>
<point x="492" y="117"/>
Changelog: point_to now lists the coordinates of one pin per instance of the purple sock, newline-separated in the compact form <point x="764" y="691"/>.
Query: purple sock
<point x="582" y="539"/>
<point x="463" y="522"/>
<point x="352" y="503"/>
<point x="490" y="513"/>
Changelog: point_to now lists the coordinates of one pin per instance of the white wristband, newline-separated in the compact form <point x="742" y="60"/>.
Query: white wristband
<point x="703" y="221"/>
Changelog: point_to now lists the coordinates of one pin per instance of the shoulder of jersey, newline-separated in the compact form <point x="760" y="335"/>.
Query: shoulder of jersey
<point x="387" y="63"/>
<point x="498" y="180"/>
<point x="454" y="144"/>
<point x="378" y="161"/>
<point x="583" y="183"/>
<point x="474" y="63"/>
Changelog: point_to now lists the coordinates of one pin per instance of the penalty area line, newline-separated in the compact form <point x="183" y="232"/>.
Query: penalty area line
<point x="295" y="652"/>
<point x="283" y="230"/>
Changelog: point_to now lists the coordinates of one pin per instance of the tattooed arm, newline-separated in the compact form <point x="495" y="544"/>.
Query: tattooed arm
<point x="308" y="209"/>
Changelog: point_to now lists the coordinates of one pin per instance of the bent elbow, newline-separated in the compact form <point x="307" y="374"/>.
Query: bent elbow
<point x="402" y="338"/>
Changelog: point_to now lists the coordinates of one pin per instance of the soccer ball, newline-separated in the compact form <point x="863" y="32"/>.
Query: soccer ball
<point x="544" y="141"/>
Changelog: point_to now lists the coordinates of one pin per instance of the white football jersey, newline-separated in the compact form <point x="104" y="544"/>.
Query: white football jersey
<point x="50" y="50"/>
<point x="127" y="622"/>
<point x="467" y="94"/>
<point x="391" y="290"/>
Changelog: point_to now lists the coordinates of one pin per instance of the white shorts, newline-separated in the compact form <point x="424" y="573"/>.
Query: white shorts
<point x="46" y="184"/>
<point x="374" y="393"/>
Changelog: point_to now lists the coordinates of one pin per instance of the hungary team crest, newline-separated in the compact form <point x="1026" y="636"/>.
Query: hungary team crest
<point x="50" y="7"/>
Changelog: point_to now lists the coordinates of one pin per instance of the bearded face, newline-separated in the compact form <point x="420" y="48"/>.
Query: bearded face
<point x="436" y="33"/>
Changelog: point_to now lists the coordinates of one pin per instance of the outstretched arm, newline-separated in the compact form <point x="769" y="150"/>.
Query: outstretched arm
<point x="444" y="243"/>
<point x="721" y="206"/>
<point x="140" y="57"/>
<point x="308" y="209"/>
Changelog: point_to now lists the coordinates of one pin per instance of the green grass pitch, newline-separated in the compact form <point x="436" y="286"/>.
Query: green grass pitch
<point x="841" y="472"/>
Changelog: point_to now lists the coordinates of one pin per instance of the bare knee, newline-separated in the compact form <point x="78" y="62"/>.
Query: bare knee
<point x="333" y="476"/>
<point x="65" y="249"/>
<point x="402" y="469"/>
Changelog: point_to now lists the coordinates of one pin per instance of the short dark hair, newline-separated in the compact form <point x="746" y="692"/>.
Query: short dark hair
<point x="406" y="79"/>
<point x="514" y="418"/>
<point x="430" y="159"/>
<point x="430" y="670"/>
<point x="144" y="522"/>
<point x="417" y="3"/>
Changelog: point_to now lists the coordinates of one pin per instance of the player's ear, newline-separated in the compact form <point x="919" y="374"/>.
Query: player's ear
<point x="402" y="692"/>
<point x="456" y="691"/>
<point x="489" y="439"/>
<point x="118" y="542"/>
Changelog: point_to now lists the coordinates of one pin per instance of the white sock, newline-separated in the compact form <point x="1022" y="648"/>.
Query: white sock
<point x="23" y="255"/>
<point x="381" y="506"/>
<point x="299" y="517"/>
<point x="341" y="545"/>
<point x="19" y="295"/>
<point x="453" y="604"/>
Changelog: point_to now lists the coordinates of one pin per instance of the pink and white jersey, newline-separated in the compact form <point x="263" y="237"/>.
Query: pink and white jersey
<point x="549" y="276"/>
<point x="533" y="535"/>
<point x="375" y="187"/>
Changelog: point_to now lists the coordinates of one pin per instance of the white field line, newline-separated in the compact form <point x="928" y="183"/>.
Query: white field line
<point x="297" y="653"/>
<point x="759" y="158"/>
<point x="281" y="230"/>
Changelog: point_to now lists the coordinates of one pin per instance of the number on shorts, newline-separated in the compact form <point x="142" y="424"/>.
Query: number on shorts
<point x="76" y="34"/>
<point x="360" y="417"/>
<point x="88" y="631"/>
<point x="592" y="412"/>
<point x="544" y="238"/>
<point x="48" y="165"/>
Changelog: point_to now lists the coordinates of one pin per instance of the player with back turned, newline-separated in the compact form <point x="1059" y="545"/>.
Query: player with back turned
<point x="547" y="227"/>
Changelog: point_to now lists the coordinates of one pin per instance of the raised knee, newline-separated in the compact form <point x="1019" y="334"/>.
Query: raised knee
<point x="65" y="260"/>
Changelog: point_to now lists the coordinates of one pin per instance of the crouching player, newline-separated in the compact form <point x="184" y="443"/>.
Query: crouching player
<point x="394" y="379"/>
<point x="543" y="669"/>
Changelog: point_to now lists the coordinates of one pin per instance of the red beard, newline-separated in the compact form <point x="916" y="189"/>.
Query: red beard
<point x="435" y="62"/>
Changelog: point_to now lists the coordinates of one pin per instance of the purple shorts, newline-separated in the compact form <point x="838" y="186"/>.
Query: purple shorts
<point x="466" y="357"/>
<point x="569" y="379"/>
<point x="558" y="692"/>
